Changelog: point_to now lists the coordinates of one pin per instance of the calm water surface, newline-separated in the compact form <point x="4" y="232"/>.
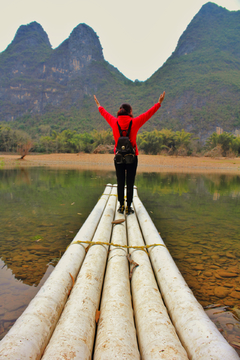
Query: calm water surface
<point x="197" y="215"/>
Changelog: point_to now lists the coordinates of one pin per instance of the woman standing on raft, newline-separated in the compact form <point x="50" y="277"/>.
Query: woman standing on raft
<point x="129" y="126"/>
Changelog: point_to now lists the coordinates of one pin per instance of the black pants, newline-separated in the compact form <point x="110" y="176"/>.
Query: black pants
<point x="127" y="171"/>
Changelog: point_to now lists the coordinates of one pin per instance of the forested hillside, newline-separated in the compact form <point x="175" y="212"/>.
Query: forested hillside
<point x="44" y="90"/>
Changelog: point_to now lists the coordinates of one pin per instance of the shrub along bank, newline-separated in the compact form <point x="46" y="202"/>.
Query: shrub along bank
<point x="154" y="142"/>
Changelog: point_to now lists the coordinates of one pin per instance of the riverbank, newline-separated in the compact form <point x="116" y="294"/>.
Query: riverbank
<point x="147" y="163"/>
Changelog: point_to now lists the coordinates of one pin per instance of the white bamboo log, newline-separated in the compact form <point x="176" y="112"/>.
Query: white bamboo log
<point x="116" y="334"/>
<point x="157" y="337"/>
<point x="30" y="334"/>
<point x="73" y="337"/>
<point x="197" y="332"/>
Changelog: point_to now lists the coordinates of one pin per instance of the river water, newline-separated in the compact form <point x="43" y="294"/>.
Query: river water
<point x="197" y="216"/>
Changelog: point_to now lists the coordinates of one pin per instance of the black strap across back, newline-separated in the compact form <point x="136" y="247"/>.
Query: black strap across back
<point x="128" y="131"/>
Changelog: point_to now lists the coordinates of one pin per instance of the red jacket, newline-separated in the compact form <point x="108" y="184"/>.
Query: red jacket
<point x="124" y="121"/>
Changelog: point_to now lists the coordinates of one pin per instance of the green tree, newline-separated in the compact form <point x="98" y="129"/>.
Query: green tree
<point x="236" y="145"/>
<point x="13" y="140"/>
<point x="102" y="137"/>
<point x="225" y="140"/>
<point x="212" y="141"/>
<point x="182" y="138"/>
<point x="150" y="142"/>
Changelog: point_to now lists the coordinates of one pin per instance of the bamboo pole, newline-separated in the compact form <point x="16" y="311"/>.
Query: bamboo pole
<point x="30" y="334"/>
<point x="198" y="334"/>
<point x="73" y="337"/>
<point x="116" y="334"/>
<point x="156" y="334"/>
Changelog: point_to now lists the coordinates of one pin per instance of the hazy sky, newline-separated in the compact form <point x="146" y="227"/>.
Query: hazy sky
<point x="137" y="36"/>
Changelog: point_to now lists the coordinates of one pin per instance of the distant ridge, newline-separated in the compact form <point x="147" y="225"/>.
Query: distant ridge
<point x="203" y="73"/>
<point x="43" y="87"/>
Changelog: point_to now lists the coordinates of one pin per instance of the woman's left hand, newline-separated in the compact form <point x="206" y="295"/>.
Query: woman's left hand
<point x="96" y="101"/>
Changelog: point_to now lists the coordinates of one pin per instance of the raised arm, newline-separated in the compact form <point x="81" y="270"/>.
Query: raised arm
<point x="141" y="119"/>
<point x="96" y="101"/>
<point x="108" y="117"/>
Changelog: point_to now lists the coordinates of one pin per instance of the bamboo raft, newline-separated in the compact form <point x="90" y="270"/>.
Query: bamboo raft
<point x="94" y="306"/>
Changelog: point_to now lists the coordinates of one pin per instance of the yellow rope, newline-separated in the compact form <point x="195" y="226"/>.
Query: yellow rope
<point x="143" y="247"/>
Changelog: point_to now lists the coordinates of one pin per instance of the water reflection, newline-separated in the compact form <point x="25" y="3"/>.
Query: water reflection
<point x="41" y="211"/>
<point x="179" y="183"/>
<point x="198" y="217"/>
<point x="202" y="233"/>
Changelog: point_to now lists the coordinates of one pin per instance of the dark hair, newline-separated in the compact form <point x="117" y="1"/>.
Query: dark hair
<point x="125" y="109"/>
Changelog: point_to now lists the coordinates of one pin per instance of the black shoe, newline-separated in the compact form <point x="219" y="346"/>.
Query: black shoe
<point x="121" y="209"/>
<point x="129" y="210"/>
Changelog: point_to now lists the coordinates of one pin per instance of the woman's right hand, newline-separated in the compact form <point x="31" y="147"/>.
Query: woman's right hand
<point x="161" y="97"/>
<point x="96" y="101"/>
